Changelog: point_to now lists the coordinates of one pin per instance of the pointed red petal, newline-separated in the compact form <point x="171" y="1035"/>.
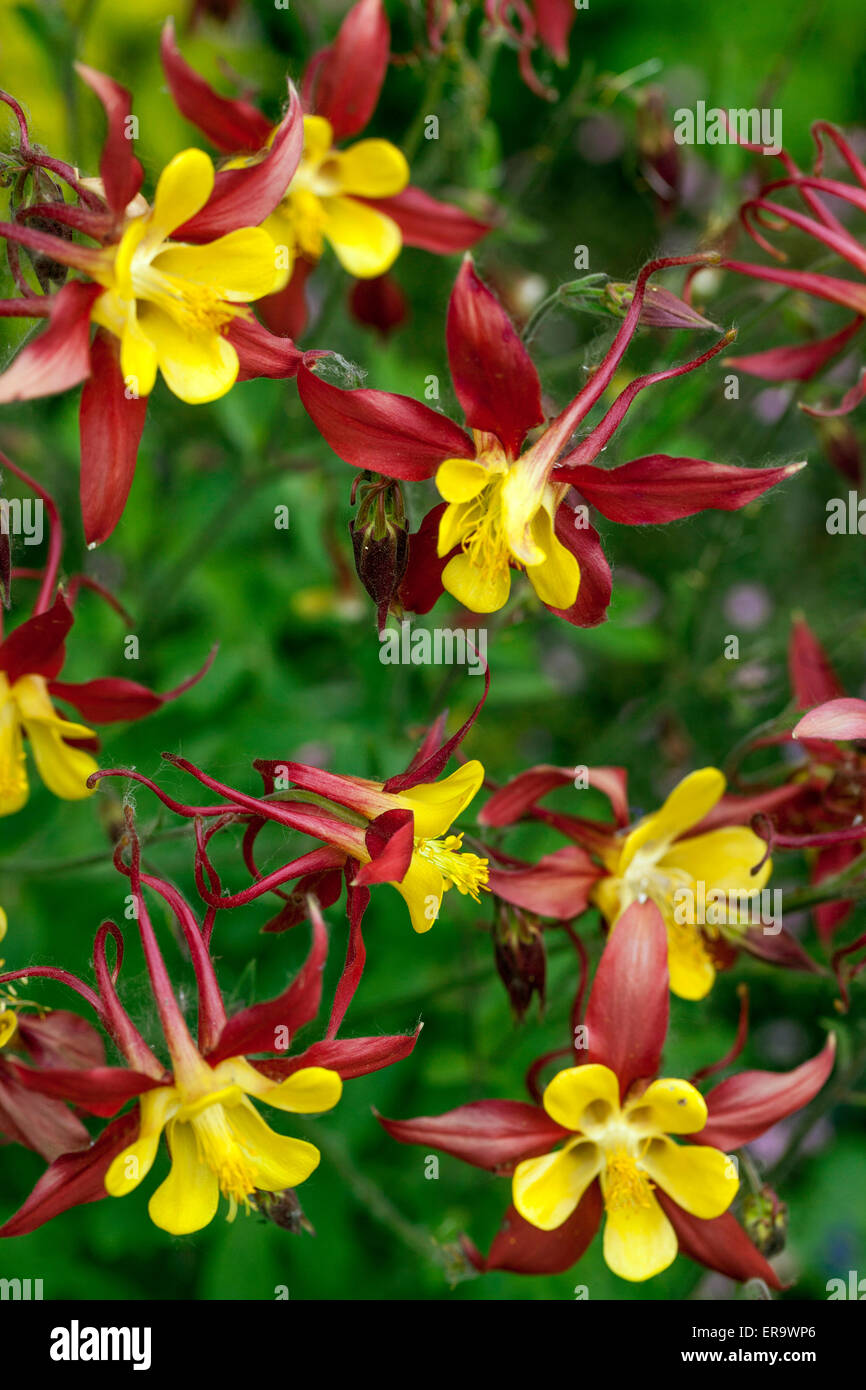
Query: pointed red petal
<point x="421" y="586"/>
<point x="510" y="802"/>
<point x="59" y="357"/>
<point x="99" y="1090"/>
<point x="286" y="312"/>
<point x="837" y="719"/>
<point x="813" y="679"/>
<point x="262" y="354"/>
<point x="36" y="648"/>
<point x="425" y="222"/>
<point x="744" y="1106"/>
<point x="231" y="126"/>
<point x="390" y="841"/>
<point x="122" y="174"/>
<point x="558" y="886"/>
<point x="524" y="1249"/>
<point x="596" y="581"/>
<point x="39" y="1123"/>
<point x="110" y="425"/>
<point x="348" y="76"/>
<point x="662" y="488"/>
<point x="393" y="435"/>
<point x="795" y="363"/>
<point x="627" y="1014"/>
<point x="720" y="1244"/>
<point x="492" y="1134"/>
<point x="349" y="1056"/>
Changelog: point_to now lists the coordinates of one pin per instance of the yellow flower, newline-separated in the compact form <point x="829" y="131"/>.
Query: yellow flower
<point x="501" y="513"/>
<point x="322" y="202"/>
<point x="658" y="860"/>
<point x="170" y="302"/>
<point x="218" y="1141"/>
<point x="26" y="707"/>
<point x="627" y="1147"/>
<point x="438" y="861"/>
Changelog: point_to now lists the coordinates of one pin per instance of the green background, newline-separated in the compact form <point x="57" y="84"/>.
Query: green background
<point x="197" y="560"/>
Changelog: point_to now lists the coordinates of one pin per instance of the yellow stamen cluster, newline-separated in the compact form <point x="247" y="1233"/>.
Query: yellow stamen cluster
<point x="484" y="539"/>
<point x="625" y="1185"/>
<point x="466" y="872"/>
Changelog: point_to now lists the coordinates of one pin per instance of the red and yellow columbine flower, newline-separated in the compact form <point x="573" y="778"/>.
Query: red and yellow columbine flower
<point x="658" y="859"/>
<point x="510" y="506"/>
<point x="701" y="882"/>
<point x="207" y="1102"/>
<point x="599" y="1144"/>
<point x="168" y="287"/>
<point x="356" y="198"/>
<point x="31" y="662"/>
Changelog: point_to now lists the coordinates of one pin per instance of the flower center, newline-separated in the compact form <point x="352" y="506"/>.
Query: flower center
<point x="484" y="539"/>
<point x="626" y="1187"/>
<point x="218" y="1145"/>
<point x="465" y="872"/>
<point x="195" y="308"/>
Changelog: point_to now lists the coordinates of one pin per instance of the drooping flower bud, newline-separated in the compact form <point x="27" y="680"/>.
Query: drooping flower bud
<point x="284" y="1210"/>
<point x="518" y="948"/>
<point x="657" y="148"/>
<point x="31" y="187"/>
<point x="380" y="540"/>
<point x="766" y="1220"/>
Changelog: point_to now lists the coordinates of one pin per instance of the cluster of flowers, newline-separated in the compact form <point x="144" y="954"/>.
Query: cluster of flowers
<point x="166" y="287"/>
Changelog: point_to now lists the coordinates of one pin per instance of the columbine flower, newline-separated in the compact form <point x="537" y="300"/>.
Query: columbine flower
<point x="803" y="361"/>
<point x="31" y="662"/>
<point x="207" y="1102"/>
<point x="702" y="882"/>
<point x="613" y="1124"/>
<point x="512" y="507"/>
<point x="356" y="199"/>
<point x="168" y="287"/>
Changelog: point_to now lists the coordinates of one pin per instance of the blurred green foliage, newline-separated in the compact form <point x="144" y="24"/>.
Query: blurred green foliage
<point x="197" y="560"/>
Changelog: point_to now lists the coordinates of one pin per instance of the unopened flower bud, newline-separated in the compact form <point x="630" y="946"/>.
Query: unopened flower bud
<point x="518" y="948"/>
<point x="766" y="1220"/>
<point x="380" y="540"/>
<point x="284" y="1210"/>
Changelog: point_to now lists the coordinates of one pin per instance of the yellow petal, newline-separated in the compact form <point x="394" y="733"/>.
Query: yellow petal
<point x="459" y="480"/>
<point x="238" y="267"/>
<point x="8" y="1022"/>
<point x="370" y="168"/>
<point x="135" y="1162"/>
<point x="4" y="923"/>
<point x="582" y="1096"/>
<point x="182" y="190"/>
<point x="64" y="770"/>
<point x="309" y="1091"/>
<point x="421" y="888"/>
<point x="607" y="894"/>
<point x="436" y="805"/>
<point x="197" y="369"/>
<point x="546" y="1190"/>
<point x="687" y="804"/>
<point x="690" y="965"/>
<point x="188" y="1199"/>
<point x="557" y="578"/>
<point x="457" y="520"/>
<point x="318" y="137"/>
<point x="722" y="860"/>
<point x="523" y="493"/>
<point x="366" y="242"/>
<point x="667" y="1106"/>
<point x="137" y="355"/>
<point x="14" y="790"/>
<point x="278" y="1161"/>
<point x="639" y="1241"/>
<point x="701" y="1180"/>
<point x="479" y="590"/>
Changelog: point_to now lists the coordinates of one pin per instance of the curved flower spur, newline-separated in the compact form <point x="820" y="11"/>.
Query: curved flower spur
<point x="397" y="832"/>
<point x="31" y="661"/>
<point x="358" y="199"/>
<point x="614" y="1120"/>
<point x="801" y="362"/>
<point x="508" y="507"/>
<point x="207" y="1099"/>
<point x="167" y="286"/>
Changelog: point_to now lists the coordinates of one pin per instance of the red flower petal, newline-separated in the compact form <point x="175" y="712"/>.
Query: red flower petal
<point x="347" y="77"/>
<point x="390" y="841"/>
<point x="492" y="1134"/>
<point x="596" y="581"/>
<point x="349" y="1056"/>
<point x="393" y="435"/>
<point x="813" y="679"/>
<point x="829" y="861"/>
<point x="230" y="125"/>
<point x="557" y="886"/>
<point x="254" y="1029"/>
<point x="262" y="354"/>
<point x="421" y="586"/>
<point x="46" y="1126"/>
<point x="627" y="1013"/>
<point x="493" y="375"/>
<point x="110" y="425"/>
<point x="122" y="174"/>
<point x="744" y="1106"/>
<point x="73" y="1179"/>
<point x="442" y="228"/>
<point x="795" y="363"/>
<point x="112" y="699"/>
<point x="510" y="802"/>
<point x="61" y="1039"/>
<point x="245" y="197"/>
<point x="36" y="648"/>
<point x="59" y="357"/>
<point x="661" y="488"/>
<point x="285" y="313"/>
<point x="99" y="1090"/>
<point x="837" y="719"/>
<point x="720" y="1244"/>
<point x="524" y="1249"/>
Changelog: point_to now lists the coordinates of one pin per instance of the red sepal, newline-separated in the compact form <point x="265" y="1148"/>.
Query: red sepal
<point x="524" y="1249"/>
<point x="110" y="425"/>
<point x="122" y="174"/>
<point x="231" y="126"/>
<point x="720" y="1244"/>
<point x="627" y="1013"/>
<point x="73" y="1179"/>
<point x="744" y="1106"/>
<point x="36" y="647"/>
<point x="343" y="82"/>
<point x="492" y="1134"/>
<point x="59" y="357"/>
